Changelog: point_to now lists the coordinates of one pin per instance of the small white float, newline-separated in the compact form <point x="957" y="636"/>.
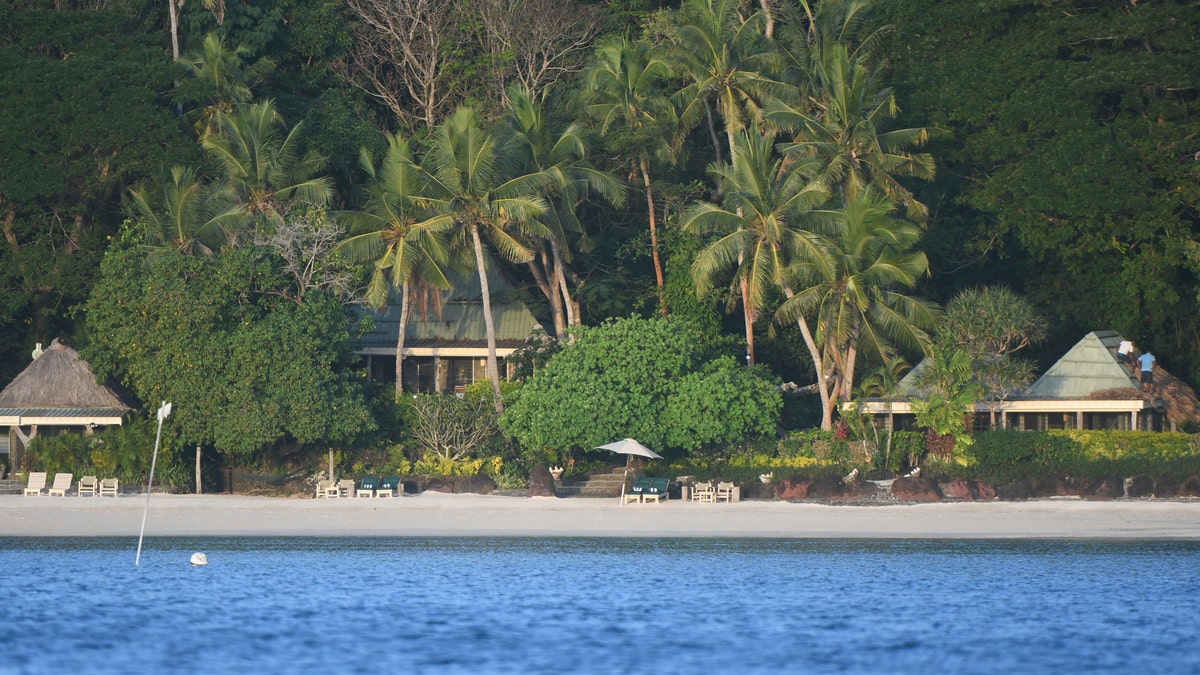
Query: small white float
<point x="199" y="559"/>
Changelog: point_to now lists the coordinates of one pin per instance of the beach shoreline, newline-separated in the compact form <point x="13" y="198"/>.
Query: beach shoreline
<point x="446" y="515"/>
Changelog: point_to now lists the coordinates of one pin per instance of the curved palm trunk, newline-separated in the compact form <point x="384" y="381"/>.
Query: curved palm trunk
<point x="493" y="365"/>
<point x="658" y="273"/>
<point x="560" y="278"/>
<point x="401" y="334"/>
<point x="818" y="366"/>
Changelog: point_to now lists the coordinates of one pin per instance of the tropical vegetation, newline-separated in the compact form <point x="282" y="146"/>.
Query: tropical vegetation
<point x="201" y="196"/>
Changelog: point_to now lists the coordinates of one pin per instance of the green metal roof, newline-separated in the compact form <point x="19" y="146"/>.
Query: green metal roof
<point x="460" y="322"/>
<point x="1088" y="367"/>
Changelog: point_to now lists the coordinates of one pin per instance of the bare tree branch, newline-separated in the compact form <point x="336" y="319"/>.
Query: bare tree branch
<point x="399" y="55"/>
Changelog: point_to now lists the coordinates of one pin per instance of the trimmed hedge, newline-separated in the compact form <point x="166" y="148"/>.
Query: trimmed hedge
<point x="1000" y="457"/>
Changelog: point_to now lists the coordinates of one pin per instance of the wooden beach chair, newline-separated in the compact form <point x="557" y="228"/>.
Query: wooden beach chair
<point x="88" y="485"/>
<point x="390" y="487"/>
<point x="62" y="483"/>
<point x="638" y="490"/>
<point x="37" y="483"/>
<point x="109" y="487"/>
<point x="724" y="492"/>
<point x="323" y="488"/>
<point x="367" y="487"/>
<point x="657" y="490"/>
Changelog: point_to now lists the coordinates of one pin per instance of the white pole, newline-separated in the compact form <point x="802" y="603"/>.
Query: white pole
<point x="163" y="411"/>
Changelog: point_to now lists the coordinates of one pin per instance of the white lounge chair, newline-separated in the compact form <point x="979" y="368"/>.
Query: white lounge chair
<point x="88" y="485"/>
<point x="37" y="483"/>
<point x="346" y="488"/>
<point x="62" y="483"/>
<point x="323" y="488"/>
<point x="724" y="492"/>
<point x="109" y="487"/>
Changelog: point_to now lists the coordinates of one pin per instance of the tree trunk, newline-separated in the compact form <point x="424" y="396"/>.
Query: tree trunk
<point x="818" y="366"/>
<point x="174" y="29"/>
<point x="493" y="366"/>
<point x="769" y="31"/>
<point x="199" y="489"/>
<point x="658" y="272"/>
<point x="401" y="334"/>
<point x="560" y="279"/>
<point x="748" y="313"/>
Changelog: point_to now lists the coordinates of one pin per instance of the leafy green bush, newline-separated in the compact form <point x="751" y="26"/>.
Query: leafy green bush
<point x="1004" y="456"/>
<point x="122" y="452"/>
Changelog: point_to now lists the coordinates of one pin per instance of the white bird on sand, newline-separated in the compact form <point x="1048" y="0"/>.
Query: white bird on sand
<point x="199" y="559"/>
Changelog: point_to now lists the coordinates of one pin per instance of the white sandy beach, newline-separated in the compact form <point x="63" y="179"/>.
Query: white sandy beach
<point x="435" y="514"/>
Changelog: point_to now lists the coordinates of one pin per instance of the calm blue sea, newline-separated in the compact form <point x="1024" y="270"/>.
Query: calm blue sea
<point x="305" y="605"/>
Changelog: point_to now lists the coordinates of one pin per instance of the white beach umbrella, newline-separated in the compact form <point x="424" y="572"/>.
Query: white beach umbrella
<point x="629" y="447"/>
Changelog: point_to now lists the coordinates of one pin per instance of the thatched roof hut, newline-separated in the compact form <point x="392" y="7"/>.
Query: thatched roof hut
<point x="58" y="378"/>
<point x="57" y="390"/>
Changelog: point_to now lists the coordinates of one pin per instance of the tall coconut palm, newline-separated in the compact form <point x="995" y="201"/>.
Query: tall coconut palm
<point x="759" y="221"/>
<point x="474" y="191"/>
<point x="262" y="164"/>
<point x="858" y="301"/>
<point x="846" y="134"/>
<point x="720" y="52"/>
<point x="623" y="92"/>
<point x="186" y="215"/>
<point x="387" y="233"/>
<point x="543" y="141"/>
<point x="220" y="79"/>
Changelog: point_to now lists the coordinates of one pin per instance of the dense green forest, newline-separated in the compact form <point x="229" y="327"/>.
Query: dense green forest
<point x="811" y="179"/>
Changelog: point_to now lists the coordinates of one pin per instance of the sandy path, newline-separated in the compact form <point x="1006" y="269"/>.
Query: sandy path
<point x="432" y="514"/>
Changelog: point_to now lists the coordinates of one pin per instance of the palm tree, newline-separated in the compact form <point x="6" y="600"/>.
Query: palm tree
<point x="474" y="192"/>
<point x="544" y="142"/>
<point x="387" y="233"/>
<point x="263" y="165"/>
<point x="623" y="92"/>
<point x="187" y="215"/>
<point x="845" y="133"/>
<point x="722" y="55"/>
<point x="759" y="222"/>
<point x="220" y="79"/>
<point x="856" y="301"/>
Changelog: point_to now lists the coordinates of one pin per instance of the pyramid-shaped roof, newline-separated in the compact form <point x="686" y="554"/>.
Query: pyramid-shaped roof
<point x="1088" y="367"/>
<point x="58" y="383"/>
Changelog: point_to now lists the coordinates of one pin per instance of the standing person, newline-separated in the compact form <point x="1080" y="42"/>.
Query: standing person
<point x="1125" y="352"/>
<point x="1147" y="361"/>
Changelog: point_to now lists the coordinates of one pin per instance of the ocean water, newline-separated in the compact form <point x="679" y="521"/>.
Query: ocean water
<point x="507" y="605"/>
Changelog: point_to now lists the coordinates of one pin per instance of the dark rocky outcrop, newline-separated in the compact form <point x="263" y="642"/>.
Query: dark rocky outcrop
<point x="541" y="482"/>
<point x="1190" y="487"/>
<point x="1016" y="491"/>
<point x="756" y="489"/>
<point x="1140" y="486"/>
<point x="859" y="489"/>
<point x="476" y="485"/>
<point x="827" y="487"/>
<point x="1166" y="487"/>
<point x="1105" y="487"/>
<point x="438" y="484"/>
<point x="967" y="490"/>
<point x="916" y="489"/>
<point x="1059" y="485"/>
<point x="791" y="489"/>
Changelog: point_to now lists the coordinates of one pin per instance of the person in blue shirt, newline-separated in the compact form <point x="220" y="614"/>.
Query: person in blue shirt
<point x="1147" y="361"/>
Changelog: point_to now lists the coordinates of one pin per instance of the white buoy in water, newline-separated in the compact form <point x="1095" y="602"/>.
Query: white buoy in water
<point x="199" y="559"/>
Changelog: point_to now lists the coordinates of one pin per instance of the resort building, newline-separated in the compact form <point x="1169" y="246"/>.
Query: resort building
<point x="1090" y="387"/>
<point x="56" y="393"/>
<point x="445" y="346"/>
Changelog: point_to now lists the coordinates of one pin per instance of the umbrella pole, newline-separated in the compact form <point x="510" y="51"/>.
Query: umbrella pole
<point x="625" y="480"/>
